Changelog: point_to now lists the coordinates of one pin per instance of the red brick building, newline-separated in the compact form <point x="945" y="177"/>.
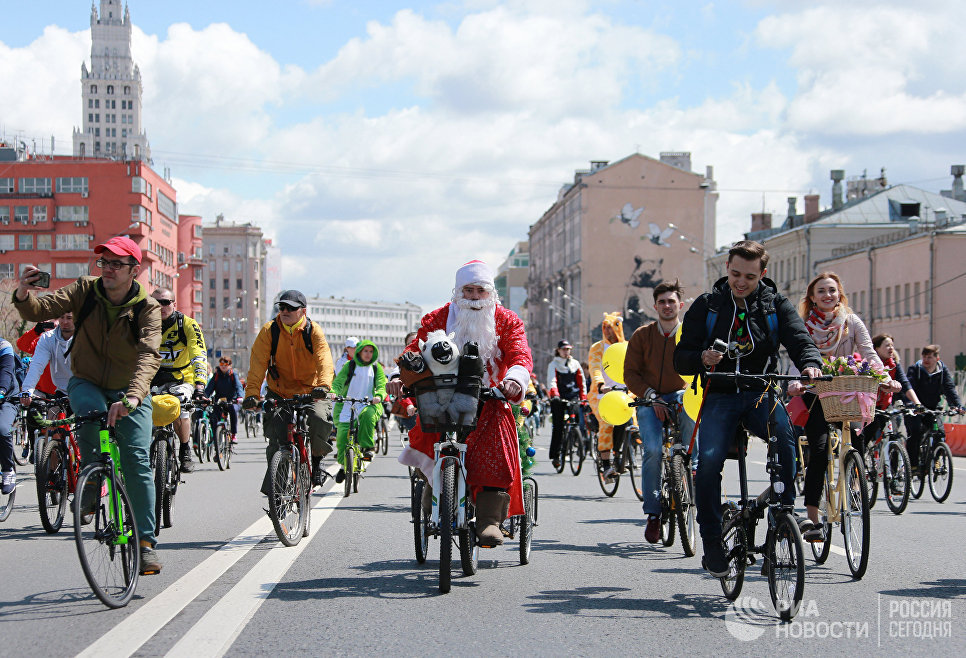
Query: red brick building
<point x="55" y="210"/>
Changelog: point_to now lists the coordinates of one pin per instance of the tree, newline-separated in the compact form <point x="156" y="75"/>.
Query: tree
<point x="11" y="324"/>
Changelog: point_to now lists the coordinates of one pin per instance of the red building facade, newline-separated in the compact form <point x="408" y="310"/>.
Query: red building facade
<point x="55" y="210"/>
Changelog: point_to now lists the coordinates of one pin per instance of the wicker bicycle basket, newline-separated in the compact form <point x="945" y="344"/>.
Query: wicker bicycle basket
<point x="837" y="411"/>
<point x="433" y="391"/>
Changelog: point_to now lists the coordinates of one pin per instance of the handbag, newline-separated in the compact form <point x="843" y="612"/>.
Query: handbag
<point x="797" y="411"/>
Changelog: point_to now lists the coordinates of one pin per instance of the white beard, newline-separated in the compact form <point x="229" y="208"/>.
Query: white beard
<point x="476" y="321"/>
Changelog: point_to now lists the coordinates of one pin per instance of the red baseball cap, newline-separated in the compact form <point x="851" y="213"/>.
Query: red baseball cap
<point x="122" y="246"/>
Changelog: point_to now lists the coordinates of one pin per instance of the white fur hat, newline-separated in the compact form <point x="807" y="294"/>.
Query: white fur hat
<point x="474" y="272"/>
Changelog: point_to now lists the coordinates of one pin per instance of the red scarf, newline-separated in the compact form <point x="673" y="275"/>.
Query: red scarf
<point x="885" y="395"/>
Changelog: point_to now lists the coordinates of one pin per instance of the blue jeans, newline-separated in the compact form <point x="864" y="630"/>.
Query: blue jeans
<point x="721" y="414"/>
<point x="8" y="416"/>
<point x="133" y="433"/>
<point x="652" y="436"/>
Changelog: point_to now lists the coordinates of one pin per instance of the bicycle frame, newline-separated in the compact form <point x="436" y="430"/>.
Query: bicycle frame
<point x="443" y="452"/>
<point x="110" y="455"/>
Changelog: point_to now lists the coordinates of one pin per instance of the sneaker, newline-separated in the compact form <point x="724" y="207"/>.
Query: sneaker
<point x="815" y="534"/>
<point x="317" y="477"/>
<point x="555" y="463"/>
<point x="804" y="523"/>
<point x="715" y="561"/>
<point x="9" y="482"/>
<point x="652" y="533"/>
<point x="187" y="466"/>
<point x="610" y="474"/>
<point x="150" y="562"/>
<point x="234" y="439"/>
<point x="340" y="476"/>
<point x="367" y="455"/>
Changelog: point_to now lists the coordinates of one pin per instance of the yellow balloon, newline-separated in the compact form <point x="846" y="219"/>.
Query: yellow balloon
<point x="692" y="398"/>
<point x="613" y="407"/>
<point x="613" y="362"/>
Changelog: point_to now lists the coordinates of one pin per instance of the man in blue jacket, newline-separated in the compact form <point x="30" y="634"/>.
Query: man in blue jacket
<point x="931" y="380"/>
<point x="9" y="388"/>
<point x="224" y="383"/>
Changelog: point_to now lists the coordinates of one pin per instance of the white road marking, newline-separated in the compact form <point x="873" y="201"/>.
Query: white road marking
<point x="217" y="630"/>
<point x="128" y="636"/>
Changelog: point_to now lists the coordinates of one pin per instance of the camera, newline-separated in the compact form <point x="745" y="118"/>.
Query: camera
<point x="720" y="346"/>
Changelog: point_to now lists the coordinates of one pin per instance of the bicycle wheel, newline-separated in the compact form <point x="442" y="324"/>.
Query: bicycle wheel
<point x="305" y="487"/>
<point x="895" y="479"/>
<point x="821" y="549"/>
<point x="52" y="486"/>
<point x="447" y="517"/>
<point x="159" y="460"/>
<point x="786" y="566"/>
<point x="385" y="436"/>
<point x="171" y="488"/>
<point x="350" y="462"/>
<point x="21" y="442"/>
<point x="855" y="516"/>
<point x="632" y="462"/>
<point x="108" y="550"/>
<point x="286" y="505"/>
<point x="527" y="521"/>
<point x="682" y="494"/>
<point x="736" y="547"/>
<point x="249" y="426"/>
<point x="562" y="456"/>
<point x="871" y="472"/>
<point x="6" y="504"/>
<point x="202" y="430"/>
<point x="420" y="523"/>
<point x="940" y="472"/>
<point x="575" y="451"/>
<point x="469" y="549"/>
<point x="223" y="449"/>
<point x="918" y="481"/>
<point x="609" y="487"/>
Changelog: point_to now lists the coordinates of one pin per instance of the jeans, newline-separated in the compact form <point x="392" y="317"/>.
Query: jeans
<point x="133" y="434"/>
<point x="652" y="436"/>
<point x="722" y="413"/>
<point x="8" y="416"/>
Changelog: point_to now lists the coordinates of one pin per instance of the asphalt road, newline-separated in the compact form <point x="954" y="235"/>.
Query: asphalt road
<point x="353" y="587"/>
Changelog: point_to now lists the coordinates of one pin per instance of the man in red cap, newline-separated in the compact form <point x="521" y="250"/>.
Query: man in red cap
<point x="114" y="355"/>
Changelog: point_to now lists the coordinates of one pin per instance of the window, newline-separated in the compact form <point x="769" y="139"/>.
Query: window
<point x="40" y="214"/>
<point x="211" y="250"/>
<point x="211" y="283"/>
<point x="6" y="241"/>
<point x="888" y="302"/>
<point x="90" y="103"/>
<point x="35" y="186"/>
<point x="93" y="89"/>
<point x="110" y="89"/>
<point x="4" y="214"/>
<point x="72" y="214"/>
<point x="878" y="303"/>
<point x="72" y="241"/>
<point x="167" y="206"/>
<point x="238" y="303"/>
<point x="21" y="214"/>
<point x="6" y="186"/>
<point x="238" y="283"/>
<point x="906" y="302"/>
<point x="25" y="242"/>
<point x="225" y="303"/>
<point x="898" y="302"/>
<point x="7" y="271"/>
<point x="224" y="284"/>
<point x="212" y="303"/>
<point x="97" y="103"/>
<point x="238" y="266"/>
<point x="71" y="270"/>
<point x="43" y="242"/>
<point x="127" y="89"/>
<point x="76" y="185"/>
<point x="918" y="307"/>
<point x="199" y="275"/>
<point x="140" y="214"/>
<point x="197" y="297"/>
<point x="198" y="231"/>
<point x="97" y="118"/>
<point x="140" y="186"/>
<point x="256" y="284"/>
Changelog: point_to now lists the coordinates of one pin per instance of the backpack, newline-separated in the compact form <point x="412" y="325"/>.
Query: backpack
<point x="20" y="367"/>
<point x="90" y="301"/>
<point x="276" y="333"/>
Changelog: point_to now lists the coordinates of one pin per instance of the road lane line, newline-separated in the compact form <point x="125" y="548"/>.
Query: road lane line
<point x="216" y="631"/>
<point x="137" y="628"/>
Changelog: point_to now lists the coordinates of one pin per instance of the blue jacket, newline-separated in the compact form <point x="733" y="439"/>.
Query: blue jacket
<point x="224" y="386"/>
<point x="931" y="388"/>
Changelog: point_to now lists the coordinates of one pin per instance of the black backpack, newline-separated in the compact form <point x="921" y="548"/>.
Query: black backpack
<point x="276" y="333"/>
<point x="90" y="301"/>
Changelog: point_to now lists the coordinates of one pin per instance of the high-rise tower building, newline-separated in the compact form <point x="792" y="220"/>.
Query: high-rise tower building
<point x="111" y="91"/>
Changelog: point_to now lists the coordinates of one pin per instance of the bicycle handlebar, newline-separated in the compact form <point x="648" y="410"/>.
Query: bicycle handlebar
<point x="294" y="402"/>
<point x="77" y="419"/>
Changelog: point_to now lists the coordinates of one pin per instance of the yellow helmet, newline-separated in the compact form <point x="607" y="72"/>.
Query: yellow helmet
<point x="164" y="409"/>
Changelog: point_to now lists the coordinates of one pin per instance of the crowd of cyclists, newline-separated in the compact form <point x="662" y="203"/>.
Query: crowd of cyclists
<point x="105" y="344"/>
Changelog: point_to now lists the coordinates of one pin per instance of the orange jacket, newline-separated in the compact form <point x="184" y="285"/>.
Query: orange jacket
<point x="299" y="371"/>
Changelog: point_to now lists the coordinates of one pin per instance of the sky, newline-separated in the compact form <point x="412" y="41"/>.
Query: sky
<point x="383" y="144"/>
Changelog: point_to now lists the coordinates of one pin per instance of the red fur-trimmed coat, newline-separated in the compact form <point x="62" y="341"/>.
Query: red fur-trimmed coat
<point x="493" y="449"/>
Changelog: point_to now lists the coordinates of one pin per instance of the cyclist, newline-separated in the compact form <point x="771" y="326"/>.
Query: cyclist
<point x="403" y="408"/>
<point x="111" y="310"/>
<point x="27" y="343"/>
<point x="748" y="313"/>
<point x="362" y="377"/>
<point x="649" y="371"/>
<point x="51" y="360"/>
<point x="836" y="331"/>
<point x="885" y="348"/>
<point x="492" y="455"/>
<point x="292" y="351"/>
<point x="931" y="380"/>
<point x="608" y="436"/>
<point x="566" y="380"/>
<point x="184" y="365"/>
<point x="348" y="353"/>
<point x="224" y="383"/>
<point x="8" y="415"/>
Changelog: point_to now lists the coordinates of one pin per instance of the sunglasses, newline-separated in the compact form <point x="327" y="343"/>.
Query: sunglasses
<point x="225" y="363"/>
<point x="112" y="264"/>
<point x="165" y="302"/>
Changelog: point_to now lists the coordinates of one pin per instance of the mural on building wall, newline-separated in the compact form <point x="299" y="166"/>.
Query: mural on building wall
<point x="629" y="215"/>
<point x="639" y="292"/>
<point x="657" y="236"/>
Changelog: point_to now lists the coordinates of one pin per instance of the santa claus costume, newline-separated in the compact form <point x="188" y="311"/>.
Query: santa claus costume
<point x="492" y="455"/>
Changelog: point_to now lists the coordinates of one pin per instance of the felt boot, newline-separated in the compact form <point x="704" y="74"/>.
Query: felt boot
<point x="491" y="510"/>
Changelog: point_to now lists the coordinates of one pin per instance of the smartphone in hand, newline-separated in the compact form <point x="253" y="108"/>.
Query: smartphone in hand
<point x="42" y="280"/>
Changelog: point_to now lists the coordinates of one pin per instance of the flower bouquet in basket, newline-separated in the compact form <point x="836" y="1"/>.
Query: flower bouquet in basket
<point x="851" y="395"/>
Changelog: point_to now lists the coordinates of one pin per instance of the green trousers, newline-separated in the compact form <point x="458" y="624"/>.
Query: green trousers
<point x="366" y="423"/>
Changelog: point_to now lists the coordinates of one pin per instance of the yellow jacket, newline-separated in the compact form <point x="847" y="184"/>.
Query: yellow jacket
<point x="299" y="371"/>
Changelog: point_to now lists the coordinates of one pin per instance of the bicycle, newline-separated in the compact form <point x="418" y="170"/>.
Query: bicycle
<point x="677" y="485"/>
<point x="625" y="458"/>
<point x="23" y="441"/>
<point x="354" y="464"/>
<point x="291" y="471"/>
<point x="221" y="445"/>
<point x="886" y="459"/>
<point x="452" y="518"/>
<point x="251" y="424"/>
<point x="201" y="434"/>
<point x="381" y="434"/>
<point x="167" y="470"/>
<point x="935" y="457"/>
<point x="57" y="469"/>
<point x="845" y="501"/>
<point x="105" y="530"/>
<point x="782" y="551"/>
<point x="572" y="443"/>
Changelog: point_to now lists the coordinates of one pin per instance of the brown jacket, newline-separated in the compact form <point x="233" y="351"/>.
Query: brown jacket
<point x="108" y="356"/>
<point x="649" y="362"/>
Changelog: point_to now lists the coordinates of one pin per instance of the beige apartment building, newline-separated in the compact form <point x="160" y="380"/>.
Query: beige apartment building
<point x="612" y="235"/>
